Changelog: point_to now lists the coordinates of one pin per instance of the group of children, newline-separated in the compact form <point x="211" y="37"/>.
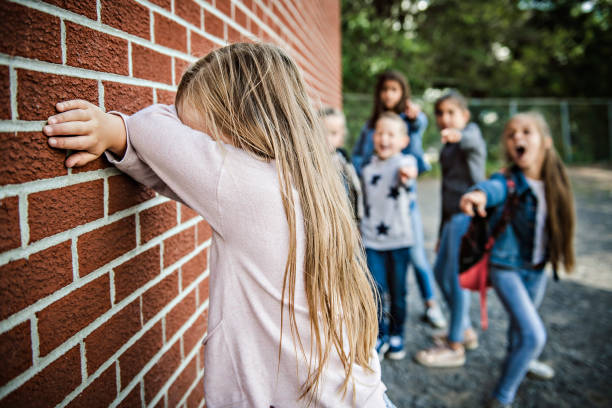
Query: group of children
<point x="388" y="157"/>
<point x="295" y="306"/>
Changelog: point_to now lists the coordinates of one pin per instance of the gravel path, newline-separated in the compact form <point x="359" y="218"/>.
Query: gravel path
<point x="577" y="312"/>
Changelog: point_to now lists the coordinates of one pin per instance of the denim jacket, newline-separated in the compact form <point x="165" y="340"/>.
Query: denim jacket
<point x="514" y="247"/>
<point x="364" y="149"/>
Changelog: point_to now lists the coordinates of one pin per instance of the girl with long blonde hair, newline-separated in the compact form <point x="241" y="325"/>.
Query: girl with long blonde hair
<point x="541" y="230"/>
<point x="292" y="316"/>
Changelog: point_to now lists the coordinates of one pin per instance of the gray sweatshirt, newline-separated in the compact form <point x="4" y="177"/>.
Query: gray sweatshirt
<point x="386" y="224"/>
<point x="463" y="165"/>
<point x="239" y="196"/>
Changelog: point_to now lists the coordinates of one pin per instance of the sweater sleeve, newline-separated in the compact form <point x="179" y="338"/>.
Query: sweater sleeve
<point x="173" y="159"/>
<point x="360" y="151"/>
<point x="474" y="145"/>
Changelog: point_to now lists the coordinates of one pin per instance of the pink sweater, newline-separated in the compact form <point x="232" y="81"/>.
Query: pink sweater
<point x="239" y="197"/>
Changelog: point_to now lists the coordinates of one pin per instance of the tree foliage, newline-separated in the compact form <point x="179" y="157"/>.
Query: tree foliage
<point x="483" y="48"/>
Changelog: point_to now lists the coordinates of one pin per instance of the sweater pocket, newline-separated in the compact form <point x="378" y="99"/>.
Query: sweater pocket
<point x="222" y="385"/>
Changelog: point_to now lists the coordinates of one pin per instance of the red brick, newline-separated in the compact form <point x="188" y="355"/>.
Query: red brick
<point x="213" y="24"/>
<point x="156" y="298"/>
<point x="196" y="396"/>
<point x="170" y="34"/>
<point x="182" y="383"/>
<point x="167" y="4"/>
<point x="240" y="17"/>
<point x="29" y="33"/>
<point x="187" y="213"/>
<point x="124" y="192"/>
<point x="136" y="357"/>
<point x="85" y="8"/>
<point x="16" y="352"/>
<point x="156" y="220"/>
<point x="25" y="281"/>
<point x="193" y="268"/>
<point x="194" y="334"/>
<point x="32" y="104"/>
<point x="61" y="209"/>
<point x="5" y="93"/>
<point x="100" y="393"/>
<point x="101" y="246"/>
<point x="10" y="234"/>
<point x="126" y="98"/>
<point x="224" y="6"/>
<point x="204" y="232"/>
<point x="178" y="246"/>
<point x="136" y="272"/>
<point x="200" y="46"/>
<point x="132" y="399"/>
<point x="49" y="387"/>
<point x="161" y="372"/>
<point x="188" y="10"/>
<point x="63" y="319"/>
<point x="179" y="314"/>
<point x="203" y="291"/>
<point x="90" y="49"/>
<point x="128" y="16"/>
<point x="152" y="65"/>
<point x="180" y="66"/>
<point x="233" y="35"/>
<point x="165" y="97"/>
<point x="201" y="357"/>
<point x="108" y="338"/>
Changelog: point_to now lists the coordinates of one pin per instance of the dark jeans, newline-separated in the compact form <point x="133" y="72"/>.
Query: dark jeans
<point x="389" y="269"/>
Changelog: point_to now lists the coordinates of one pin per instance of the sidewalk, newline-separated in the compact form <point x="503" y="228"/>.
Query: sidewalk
<point x="577" y="312"/>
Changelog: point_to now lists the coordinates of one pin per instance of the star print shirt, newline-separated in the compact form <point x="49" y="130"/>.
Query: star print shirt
<point x="386" y="224"/>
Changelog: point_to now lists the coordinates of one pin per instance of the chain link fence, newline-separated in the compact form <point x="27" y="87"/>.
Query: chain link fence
<point x="581" y="128"/>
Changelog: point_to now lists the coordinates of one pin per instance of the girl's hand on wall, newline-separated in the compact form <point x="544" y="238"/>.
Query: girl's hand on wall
<point x="408" y="172"/>
<point x="84" y="127"/>
<point x="450" y="135"/>
<point x="412" y="110"/>
<point x="474" y="200"/>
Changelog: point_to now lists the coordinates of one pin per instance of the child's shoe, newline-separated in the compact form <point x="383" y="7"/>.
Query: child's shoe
<point x="396" y="348"/>
<point x="382" y="345"/>
<point x="470" y="339"/>
<point x="441" y="357"/>
<point x="540" y="371"/>
<point x="433" y="315"/>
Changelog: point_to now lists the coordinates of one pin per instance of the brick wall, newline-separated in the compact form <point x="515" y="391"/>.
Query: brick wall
<point x="103" y="283"/>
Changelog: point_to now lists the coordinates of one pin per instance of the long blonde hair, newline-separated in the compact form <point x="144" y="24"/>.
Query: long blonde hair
<point x="253" y="96"/>
<point x="559" y="196"/>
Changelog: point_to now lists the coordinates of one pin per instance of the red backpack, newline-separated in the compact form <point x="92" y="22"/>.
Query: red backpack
<point x="476" y="247"/>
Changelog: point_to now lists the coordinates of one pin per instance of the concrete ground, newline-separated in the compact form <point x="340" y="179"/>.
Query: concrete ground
<point x="577" y="312"/>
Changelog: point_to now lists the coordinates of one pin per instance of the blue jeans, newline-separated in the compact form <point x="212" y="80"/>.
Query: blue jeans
<point x="521" y="292"/>
<point x="446" y="270"/>
<point x="422" y="269"/>
<point x="388" y="269"/>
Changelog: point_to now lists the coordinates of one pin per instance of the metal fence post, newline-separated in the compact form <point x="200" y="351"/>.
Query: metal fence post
<point x="565" y="130"/>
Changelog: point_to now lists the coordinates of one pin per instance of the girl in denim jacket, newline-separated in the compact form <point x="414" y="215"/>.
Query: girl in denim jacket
<point x="541" y="231"/>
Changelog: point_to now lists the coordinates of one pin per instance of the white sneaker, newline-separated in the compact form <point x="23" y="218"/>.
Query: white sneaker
<point x="540" y="370"/>
<point x="433" y="315"/>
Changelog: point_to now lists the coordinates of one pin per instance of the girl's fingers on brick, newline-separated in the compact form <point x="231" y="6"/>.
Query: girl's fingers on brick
<point x="68" y="128"/>
<point x="80" y="159"/>
<point x="70" y="116"/>
<point x="72" y="143"/>
<point x="73" y="104"/>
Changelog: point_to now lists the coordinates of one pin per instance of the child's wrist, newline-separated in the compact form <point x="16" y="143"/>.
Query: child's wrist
<point x="117" y="142"/>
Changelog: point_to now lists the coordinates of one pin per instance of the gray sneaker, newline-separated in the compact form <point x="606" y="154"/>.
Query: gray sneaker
<point x="540" y="371"/>
<point x="433" y="315"/>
